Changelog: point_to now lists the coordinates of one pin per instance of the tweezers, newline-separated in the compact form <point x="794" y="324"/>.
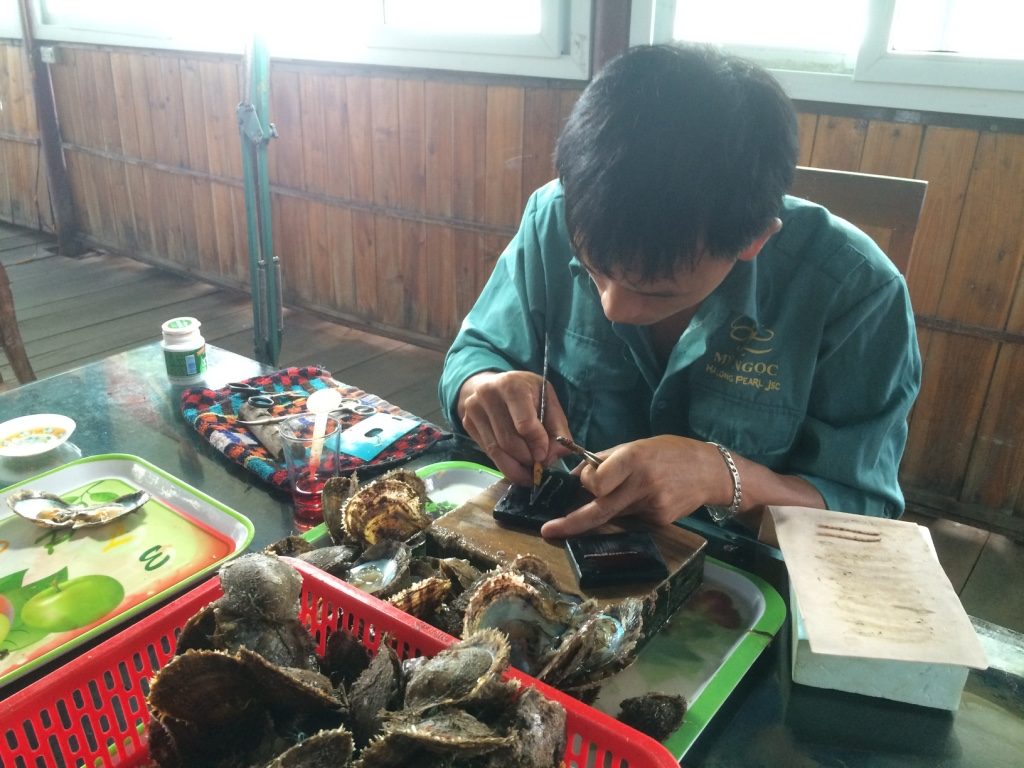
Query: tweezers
<point x="591" y="458"/>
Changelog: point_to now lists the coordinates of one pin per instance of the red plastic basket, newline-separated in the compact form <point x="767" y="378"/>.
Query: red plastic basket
<point x="92" y="711"/>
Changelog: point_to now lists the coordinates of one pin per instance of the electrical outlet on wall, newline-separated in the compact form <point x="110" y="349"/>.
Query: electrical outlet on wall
<point x="48" y="54"/>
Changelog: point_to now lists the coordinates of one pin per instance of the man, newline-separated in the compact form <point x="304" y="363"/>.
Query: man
<point x="714" y="342"/>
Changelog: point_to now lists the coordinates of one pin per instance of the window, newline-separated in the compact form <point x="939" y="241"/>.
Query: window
<point x="960" y="56"/>
<point x="547" y="38"/>
<point x="10" y="22"/>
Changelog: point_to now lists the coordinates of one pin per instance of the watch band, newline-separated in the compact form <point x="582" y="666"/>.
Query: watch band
<point x="721" y="514"/>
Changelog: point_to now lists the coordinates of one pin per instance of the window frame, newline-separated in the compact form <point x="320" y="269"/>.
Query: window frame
<point x="876" y="63"/>
<point x="560" y="50"/>
<point x="879" y="78"/>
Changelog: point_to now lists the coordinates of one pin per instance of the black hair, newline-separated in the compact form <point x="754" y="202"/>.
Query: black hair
<point x="671" y="151"/>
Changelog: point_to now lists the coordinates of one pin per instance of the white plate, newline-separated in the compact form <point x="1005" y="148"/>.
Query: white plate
<point x="451" y="484"/>
<point x="34" y="434"/>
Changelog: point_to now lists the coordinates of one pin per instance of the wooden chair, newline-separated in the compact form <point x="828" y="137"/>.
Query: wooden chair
<point x="10" y="336"/>
<point x="886" y="207"/>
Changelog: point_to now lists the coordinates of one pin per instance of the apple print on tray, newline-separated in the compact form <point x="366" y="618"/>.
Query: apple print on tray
<point x="72" y="604"/>
<point x="53" y="604"/>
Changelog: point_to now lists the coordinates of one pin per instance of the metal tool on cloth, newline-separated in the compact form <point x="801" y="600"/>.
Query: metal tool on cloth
<point x="358" y="407"/>
<point x="261" y="398"/>
<point x="538" y="467"/>
<point x="349" y="405"/>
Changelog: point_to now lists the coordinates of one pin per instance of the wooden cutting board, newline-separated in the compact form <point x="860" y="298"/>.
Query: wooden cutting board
<point x="470" y="531"/>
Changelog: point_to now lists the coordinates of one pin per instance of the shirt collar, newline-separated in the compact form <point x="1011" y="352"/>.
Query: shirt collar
<point x="738" y="292"/>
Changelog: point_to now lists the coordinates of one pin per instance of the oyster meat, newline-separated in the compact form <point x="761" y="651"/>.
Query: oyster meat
<point x="49" y="510"/>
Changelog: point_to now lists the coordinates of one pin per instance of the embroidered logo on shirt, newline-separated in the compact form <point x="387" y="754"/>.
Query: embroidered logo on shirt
<point x="735" y="368"/>
<point x="750" y="339"/>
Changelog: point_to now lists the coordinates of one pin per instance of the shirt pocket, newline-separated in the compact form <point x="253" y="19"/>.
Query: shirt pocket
<point x="600" y="391"/>
<point x="760" y="432"/>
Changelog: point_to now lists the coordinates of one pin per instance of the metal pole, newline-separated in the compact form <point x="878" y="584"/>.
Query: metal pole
<point x="264" y="267"/>
<point x="65" y="219"/>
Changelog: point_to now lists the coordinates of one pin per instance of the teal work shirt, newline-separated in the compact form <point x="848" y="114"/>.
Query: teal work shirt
<point x="804" y="360"/>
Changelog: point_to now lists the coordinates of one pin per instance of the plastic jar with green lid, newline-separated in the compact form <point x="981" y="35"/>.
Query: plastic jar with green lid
<point x="184" y="350"/>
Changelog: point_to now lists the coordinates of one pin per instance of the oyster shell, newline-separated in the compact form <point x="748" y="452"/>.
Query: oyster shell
<point x="391" y="507"/>
<point x="177" y="743"/>
<point x="423" y="598"/>
<point x="335" y="494"/>
<point x="259" y="611"/>
<point x="377" y="689"/>
<point x="538" y="731"/>
<point x="211" y="705"/>
<point x="51" y="511"/>
<point x="289" y="546"/>
<point x="382" y="569"/>
<point x="533" y="616"/>
<point x="656" y="714"/>
<point x="260" y="585"/>
<point x="335" y="560"/>
<point x="325" y="748"/>
<point x="447" y="737"/>
<point x="460" y="673"/>
<point x="345" y="658"/>
<point x="213" y="689"/>
<point x="603" y="643"/>
<point x="460" y="572"/>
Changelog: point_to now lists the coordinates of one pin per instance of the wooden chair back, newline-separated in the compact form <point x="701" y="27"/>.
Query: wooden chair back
<point x="887" y="208"/>
<point x="10" y="336"/>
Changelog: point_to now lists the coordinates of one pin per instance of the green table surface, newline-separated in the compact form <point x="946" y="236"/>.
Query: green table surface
<point x="124" y="404"/>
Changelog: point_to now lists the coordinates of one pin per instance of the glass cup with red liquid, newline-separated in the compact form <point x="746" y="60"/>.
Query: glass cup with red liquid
<point x="311" y="459"/>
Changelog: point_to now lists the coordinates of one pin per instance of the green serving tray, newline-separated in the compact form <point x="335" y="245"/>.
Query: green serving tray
<point x="59" y="588"/>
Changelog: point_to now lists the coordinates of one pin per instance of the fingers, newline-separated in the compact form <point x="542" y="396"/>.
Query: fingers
<point x="500" y="412"/>
<point x="615" y="501"/>
<point x="591" y="515"/>
<point x="555" y="423"/>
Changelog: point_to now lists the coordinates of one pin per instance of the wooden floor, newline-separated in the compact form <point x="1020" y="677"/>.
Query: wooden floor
<point x="71" y="311"/>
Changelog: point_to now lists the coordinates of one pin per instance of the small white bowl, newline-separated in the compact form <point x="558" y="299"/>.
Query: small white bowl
<point x="35" y="434"/>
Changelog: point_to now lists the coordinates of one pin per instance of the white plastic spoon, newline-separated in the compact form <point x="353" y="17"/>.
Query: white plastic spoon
<point x="320" y="403"/>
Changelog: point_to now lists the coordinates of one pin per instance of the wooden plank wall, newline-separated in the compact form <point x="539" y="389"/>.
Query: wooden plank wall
<point x="394" y="191"/>
<point x="24" y="194"/>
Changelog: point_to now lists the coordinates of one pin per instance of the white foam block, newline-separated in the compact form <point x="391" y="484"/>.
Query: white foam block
<point x="923" y="683"/>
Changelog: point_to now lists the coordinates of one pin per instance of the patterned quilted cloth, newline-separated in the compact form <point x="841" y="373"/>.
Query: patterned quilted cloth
<point x="213" y="414"/>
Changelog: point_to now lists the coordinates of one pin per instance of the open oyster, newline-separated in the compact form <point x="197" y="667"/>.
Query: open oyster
<point x="51" y="511"/>
<point x="554" y="637"/>
<point x="529" y="612"/>
<point x="382" y="569"/>
<point x="390" y="507"/>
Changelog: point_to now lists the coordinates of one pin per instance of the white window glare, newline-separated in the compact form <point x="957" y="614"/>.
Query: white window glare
<point x="10" y="20"/>
<point x="824" y="26"/>
<point x="198" y="24"/>
<point x="982" y="28"/>
<point x="955" y="56"/>
<point x="541" y="38"/>
<point x="465" y="16"/>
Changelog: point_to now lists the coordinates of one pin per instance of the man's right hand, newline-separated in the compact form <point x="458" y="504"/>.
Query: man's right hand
<point x="500" y="411"/>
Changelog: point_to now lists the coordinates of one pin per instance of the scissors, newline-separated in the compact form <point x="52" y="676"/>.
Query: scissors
<point x="345" y="406"/>
<point x="260" y="398"/>
<point x="358" y="407"/>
